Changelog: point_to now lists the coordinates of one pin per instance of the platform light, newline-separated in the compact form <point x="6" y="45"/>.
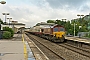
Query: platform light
<point x="3" y="2"/>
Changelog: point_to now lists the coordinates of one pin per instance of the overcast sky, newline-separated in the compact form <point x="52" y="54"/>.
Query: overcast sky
<point x="31" y="12"/>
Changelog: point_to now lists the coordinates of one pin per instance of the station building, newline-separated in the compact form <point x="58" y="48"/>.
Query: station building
<point x="17" y="27"/>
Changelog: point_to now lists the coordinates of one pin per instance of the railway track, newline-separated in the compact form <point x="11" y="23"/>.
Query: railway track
<point x="84" y="52"/>
<point x="62" y="52"/>
<point x="49" y="53"/>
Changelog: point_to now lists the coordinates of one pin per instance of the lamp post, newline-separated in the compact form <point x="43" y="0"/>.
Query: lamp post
<point x="74" y="27"/>
<point x="13" y="22"/>
<point x="5" y="16"/>
<point x="3" y="2"/>
<point x="80" y="16"/>
<point x="63" y="19"/>
<point x="80" y="22"/>
<point x="9" y="20"/>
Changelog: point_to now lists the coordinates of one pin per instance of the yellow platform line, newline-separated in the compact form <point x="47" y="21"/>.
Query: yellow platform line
<point x="25" y="50"/>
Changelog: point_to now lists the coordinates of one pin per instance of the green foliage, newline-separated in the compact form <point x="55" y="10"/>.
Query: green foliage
<point x="9" y="29"/>
<point x="50" y="21"/>
<point x="7" y="35"/>
<point x="69" y="27"/>
<point x="89" y="35"/>
<point x="59" y="22"/>
<point x="1" y="21"/>
<point x="80" y="22"/>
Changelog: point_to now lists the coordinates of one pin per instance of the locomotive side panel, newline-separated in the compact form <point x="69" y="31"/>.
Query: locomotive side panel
<point x="48" y="31"/>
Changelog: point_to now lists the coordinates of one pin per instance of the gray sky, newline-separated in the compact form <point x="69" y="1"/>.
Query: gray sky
<point x="31" y="12"/>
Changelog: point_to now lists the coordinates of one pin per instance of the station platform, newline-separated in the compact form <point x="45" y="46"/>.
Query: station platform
<point x="82" y="40"/>
<point x="15" y="49"/>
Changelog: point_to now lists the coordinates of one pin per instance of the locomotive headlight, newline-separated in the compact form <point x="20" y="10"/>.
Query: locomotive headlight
<point x="54" y="35"/>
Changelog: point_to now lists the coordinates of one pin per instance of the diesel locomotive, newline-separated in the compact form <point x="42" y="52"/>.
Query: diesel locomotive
<point x="55" y="33"/>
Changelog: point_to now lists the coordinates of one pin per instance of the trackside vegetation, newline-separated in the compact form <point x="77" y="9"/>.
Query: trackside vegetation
<point x="8" y="32"/>
<point x="6" y="35"/>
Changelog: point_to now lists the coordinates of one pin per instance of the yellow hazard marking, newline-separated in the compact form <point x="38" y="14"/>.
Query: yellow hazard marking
<point x="25" y="50"/>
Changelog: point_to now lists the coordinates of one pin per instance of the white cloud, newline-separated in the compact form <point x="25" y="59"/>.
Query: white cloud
<point x="32" y="14"/>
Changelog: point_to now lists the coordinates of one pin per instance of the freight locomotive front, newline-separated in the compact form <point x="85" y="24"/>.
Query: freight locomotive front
<point x="58" y="33"/>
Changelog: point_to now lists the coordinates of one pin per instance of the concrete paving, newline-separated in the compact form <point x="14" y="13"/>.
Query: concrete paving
<point x="11" y="50"/>
<point x="15" y="49"/>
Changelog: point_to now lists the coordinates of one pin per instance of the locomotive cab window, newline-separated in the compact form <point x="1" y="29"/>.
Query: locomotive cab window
<point x="55" y="29"/>
<point x="62" y="29"/>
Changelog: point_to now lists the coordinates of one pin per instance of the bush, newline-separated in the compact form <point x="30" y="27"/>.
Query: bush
<point x="9" y="29"/>
<point x="89" y="35"/>
<point x="6" y="35"/>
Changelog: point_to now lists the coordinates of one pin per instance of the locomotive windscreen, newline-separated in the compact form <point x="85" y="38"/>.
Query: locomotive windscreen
<point x="62" y="29"/>
<point x="55" y="29"/>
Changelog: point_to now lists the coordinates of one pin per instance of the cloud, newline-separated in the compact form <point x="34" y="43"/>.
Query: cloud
<point x="32" y="12"/>
<point x="66" y="3"/>
<point x="85" y="7"/>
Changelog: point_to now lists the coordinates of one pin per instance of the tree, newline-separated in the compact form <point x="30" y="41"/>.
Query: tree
<point x="9" y="29"/>
<point x="58" y="22"/>
<point x="1" y="21"/>
<point x="6" y="35"/>
<point x="50" y="21"/>
<point x="68" y="27"/>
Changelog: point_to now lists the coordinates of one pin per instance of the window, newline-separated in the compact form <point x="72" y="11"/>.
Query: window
<point x="55" y="29"/>
<point x="61" y="29"/>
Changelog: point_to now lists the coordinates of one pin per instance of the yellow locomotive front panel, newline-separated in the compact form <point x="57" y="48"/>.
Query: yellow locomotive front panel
<point x="59" y="33"/>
